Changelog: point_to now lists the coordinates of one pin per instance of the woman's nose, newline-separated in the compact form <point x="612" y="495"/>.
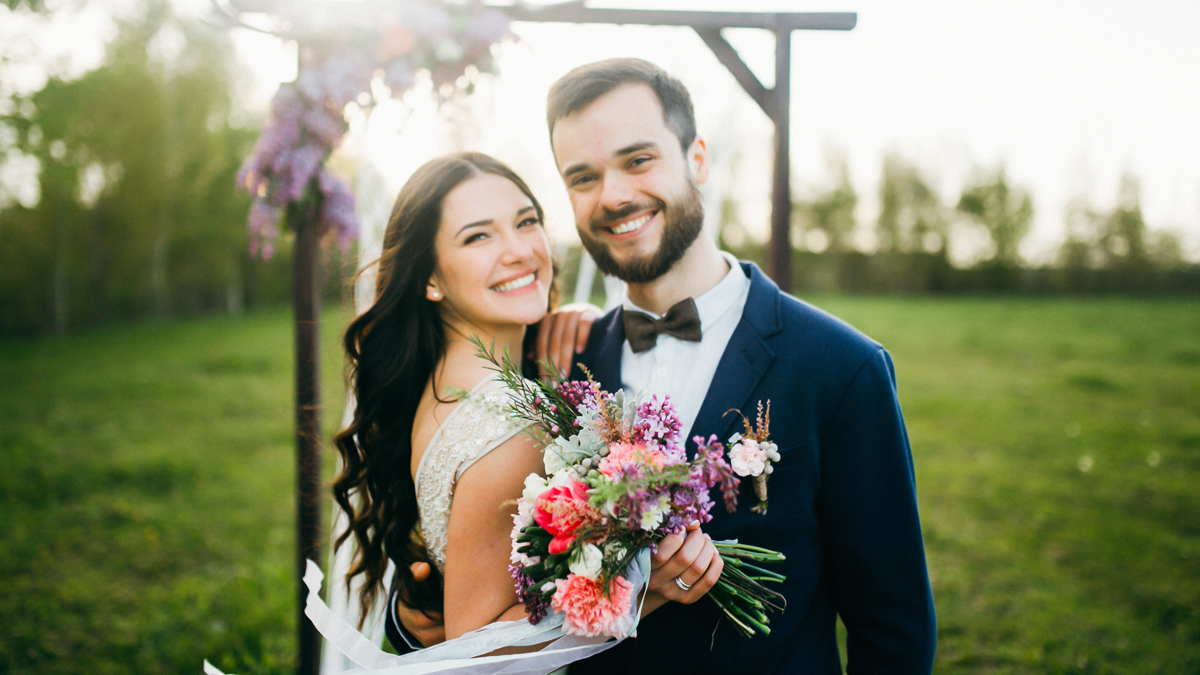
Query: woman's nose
<point x="515" y="249"/>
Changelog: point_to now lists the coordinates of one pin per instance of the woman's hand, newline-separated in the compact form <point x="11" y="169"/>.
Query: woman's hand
<point x="689" y="557"/>
<point x="564" y="333"/>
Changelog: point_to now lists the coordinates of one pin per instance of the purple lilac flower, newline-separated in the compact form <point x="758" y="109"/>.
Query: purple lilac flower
<point x="337" y="209"/>
<point x="658" y="427"/>
<point x="713" y="469"/>
<point x="536" y="606"/>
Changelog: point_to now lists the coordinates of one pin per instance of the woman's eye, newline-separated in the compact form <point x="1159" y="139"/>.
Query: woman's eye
<point x="528" y="221"/>
<point x="474" y="238"/>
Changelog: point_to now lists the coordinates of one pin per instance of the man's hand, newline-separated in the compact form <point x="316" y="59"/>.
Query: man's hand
<point x="426" y="628"/>
<point x="689" y="556"/>
<point x="564" y="333"/>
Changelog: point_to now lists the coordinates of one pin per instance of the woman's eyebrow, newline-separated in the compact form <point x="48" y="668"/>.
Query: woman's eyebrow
<point x="478" y="223"/>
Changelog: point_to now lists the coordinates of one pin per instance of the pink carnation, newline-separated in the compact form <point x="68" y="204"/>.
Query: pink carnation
<point x="747" y="457"/>
<point x="590" y="611"/>
<point x="621" y="455"/>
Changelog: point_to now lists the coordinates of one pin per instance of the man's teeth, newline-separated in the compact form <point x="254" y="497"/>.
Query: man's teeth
<point x="631" y="225"/>
<point x="515" y="283"/>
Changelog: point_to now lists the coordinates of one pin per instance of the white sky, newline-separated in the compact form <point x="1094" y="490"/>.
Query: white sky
<point x="1068" y="94"/>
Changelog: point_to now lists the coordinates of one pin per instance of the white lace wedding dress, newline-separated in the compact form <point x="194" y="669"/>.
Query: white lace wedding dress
<point x="476" y="426"/>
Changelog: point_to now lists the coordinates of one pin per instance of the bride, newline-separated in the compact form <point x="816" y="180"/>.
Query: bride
<point x="431" y="461"/>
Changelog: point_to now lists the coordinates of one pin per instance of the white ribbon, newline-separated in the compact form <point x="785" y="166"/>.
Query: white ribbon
<point x="464" y="654"/>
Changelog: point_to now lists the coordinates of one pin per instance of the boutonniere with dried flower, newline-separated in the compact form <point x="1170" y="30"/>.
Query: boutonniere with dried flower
<point x="751" y="453"/>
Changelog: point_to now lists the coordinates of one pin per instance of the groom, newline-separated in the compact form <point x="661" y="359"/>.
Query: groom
<point x="718" y="335"/>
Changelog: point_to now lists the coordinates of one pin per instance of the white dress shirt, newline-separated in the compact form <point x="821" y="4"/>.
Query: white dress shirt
<point x="682" y="369"/>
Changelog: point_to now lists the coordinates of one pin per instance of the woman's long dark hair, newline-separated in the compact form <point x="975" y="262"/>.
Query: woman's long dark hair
<point x="391" y="350"/>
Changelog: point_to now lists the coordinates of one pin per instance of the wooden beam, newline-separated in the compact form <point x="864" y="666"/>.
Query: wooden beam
<point x="574" y="12"/>
<point x="729" y="58"/>
<point x="779" y="253"/>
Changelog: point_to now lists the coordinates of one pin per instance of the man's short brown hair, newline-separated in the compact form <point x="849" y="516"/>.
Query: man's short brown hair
<point x="582" y="86"/>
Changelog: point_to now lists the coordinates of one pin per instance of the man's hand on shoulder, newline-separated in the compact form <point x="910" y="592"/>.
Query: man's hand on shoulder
<point x="428" y="629"/>
<point x="563" y="334"/>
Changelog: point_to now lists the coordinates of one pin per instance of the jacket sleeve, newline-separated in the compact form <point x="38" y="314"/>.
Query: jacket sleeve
<point x="401" y="641"/>
<point x="870" y="529"/>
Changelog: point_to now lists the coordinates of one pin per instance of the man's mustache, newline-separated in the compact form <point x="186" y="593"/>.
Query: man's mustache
<point x="608" y="218"/>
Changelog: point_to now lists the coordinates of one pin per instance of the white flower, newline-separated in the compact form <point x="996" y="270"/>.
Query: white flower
<point x="521" y="519"/>
<point x="562" y="478"/>
<point x="587" y="561"/>
<point x="653" y="516"/>
<point x="535" y="485"/>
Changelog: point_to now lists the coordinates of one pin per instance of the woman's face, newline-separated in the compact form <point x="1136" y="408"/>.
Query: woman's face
<point x="493" y="268"/>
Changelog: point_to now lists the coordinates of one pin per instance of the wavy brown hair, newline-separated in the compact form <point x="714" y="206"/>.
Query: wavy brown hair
<point x="391" y="351"/>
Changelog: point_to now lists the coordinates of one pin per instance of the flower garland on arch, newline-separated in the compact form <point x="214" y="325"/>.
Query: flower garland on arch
<point x="450" y="42"/>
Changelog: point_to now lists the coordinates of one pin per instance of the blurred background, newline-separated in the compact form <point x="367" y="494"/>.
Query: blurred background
<point x="1006" y="195"/>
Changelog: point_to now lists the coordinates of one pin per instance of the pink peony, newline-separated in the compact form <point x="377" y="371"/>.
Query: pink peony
<point x="560" y="511"/>
<point x="590" y="611"/>
<point x="747" y="457"/>
<point x="621" y="455"/>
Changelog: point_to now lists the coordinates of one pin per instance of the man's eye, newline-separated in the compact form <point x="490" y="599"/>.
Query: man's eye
<point x="581" y="181"/>
<point x="637" y="161"/>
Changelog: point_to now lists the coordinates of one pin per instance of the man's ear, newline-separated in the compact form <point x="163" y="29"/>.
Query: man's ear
<point x="697" y="157"/>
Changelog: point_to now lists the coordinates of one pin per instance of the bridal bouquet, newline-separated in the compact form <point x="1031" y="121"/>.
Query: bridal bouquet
<point x="618" y="481"/>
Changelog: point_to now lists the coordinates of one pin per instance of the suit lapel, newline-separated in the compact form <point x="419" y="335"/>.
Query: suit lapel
<point x="746" y="359"/>
<point x="606" y="363"/>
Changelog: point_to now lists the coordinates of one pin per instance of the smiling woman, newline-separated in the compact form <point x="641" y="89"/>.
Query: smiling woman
<point x="464" y="254"/>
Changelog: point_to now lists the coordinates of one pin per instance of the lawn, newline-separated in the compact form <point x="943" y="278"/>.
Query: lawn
<point x="147" y="486"/>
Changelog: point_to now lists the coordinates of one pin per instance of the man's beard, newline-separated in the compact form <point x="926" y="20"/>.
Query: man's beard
<point x="683" y="220"/>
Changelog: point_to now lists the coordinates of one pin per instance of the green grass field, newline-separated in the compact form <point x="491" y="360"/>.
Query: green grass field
<point x="147" y="508"/>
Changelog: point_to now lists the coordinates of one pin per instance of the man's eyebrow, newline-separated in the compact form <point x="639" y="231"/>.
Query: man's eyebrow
<point x="636" y="147"/>
<point x="478" y="223"/>
<point x="623" y="152"/>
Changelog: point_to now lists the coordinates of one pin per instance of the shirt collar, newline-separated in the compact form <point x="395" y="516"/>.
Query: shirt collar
<point x="717" y="300"/>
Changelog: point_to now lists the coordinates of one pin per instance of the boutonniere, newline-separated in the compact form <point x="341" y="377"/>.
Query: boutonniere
<point x="751" y="453"/>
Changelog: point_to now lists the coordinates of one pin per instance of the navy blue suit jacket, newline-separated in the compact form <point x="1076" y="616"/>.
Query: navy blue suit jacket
<point x="843" y="505"/>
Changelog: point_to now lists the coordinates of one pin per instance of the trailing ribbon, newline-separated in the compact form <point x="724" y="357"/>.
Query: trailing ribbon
<point x="464" y="654"/>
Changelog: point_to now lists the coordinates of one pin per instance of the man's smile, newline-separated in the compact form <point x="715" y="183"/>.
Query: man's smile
<point x="629" y="229"/>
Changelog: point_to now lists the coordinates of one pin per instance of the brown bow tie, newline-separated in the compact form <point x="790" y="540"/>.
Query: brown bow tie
<point x="681" y="321"/>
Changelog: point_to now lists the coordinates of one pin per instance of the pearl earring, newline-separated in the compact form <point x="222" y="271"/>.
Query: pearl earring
<point x="436" y="295"/>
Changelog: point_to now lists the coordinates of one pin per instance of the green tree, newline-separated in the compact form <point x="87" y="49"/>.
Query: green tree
<point x="139" y="216"/>
<point x="911" y="215"/>
<point x="1005" y="211"/>
<point x="831" y="212"/>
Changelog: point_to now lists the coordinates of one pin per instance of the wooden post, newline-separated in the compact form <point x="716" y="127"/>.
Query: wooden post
<point x="306" y="296"/>
<point x="779" y="255"/>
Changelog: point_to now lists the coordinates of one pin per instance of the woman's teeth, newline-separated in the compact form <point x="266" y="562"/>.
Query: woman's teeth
<point x="515" y="283"/>
<point x="632" y="225"/>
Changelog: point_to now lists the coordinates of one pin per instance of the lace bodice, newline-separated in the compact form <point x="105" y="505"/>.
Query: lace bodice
<point x="476" y="426"/>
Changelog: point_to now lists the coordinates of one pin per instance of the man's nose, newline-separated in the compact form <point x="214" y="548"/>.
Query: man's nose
<point x="616" y="191"/>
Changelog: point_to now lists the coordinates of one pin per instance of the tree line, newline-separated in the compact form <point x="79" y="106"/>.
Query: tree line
<point x="1106" y="250"/>
<point x="135" y="216"/>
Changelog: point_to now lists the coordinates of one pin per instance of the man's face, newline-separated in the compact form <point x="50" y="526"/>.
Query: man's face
<point x="633" y="189"/>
